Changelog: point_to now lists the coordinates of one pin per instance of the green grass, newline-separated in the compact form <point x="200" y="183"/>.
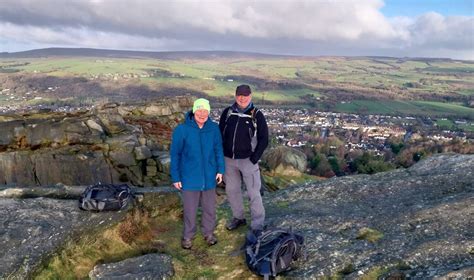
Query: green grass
<point x="285" y="95"/>
<point x="389" y="74"/>
<point x="405" y="107"/>
<point x="149" y="232"/>
<point x="444" y="108"/>
<point x="4" y="98"/>
<point x="86" y="66"/>
<point x="369" y="234"/>
<point x="467" y="92"/>
<point x="461" y="69"/>
<point x="445" y="124"/>
<point x="374" y="273"/>
<point x="222" y="89"/>
<point x="467" y="127"/>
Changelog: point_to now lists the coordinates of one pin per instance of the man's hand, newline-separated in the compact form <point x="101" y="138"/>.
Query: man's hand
<point x="219" y="178"/>
<point x="178" y="185"/>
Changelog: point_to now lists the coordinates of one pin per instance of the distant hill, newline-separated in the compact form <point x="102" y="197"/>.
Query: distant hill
<point x="173" y="55"/>
<point x="87" y="52"/>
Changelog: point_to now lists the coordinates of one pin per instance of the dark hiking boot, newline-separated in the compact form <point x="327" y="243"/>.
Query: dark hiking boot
<point x="211" y="239"/>
<point x="186" y="243"/>
<point x="235" y="223"/>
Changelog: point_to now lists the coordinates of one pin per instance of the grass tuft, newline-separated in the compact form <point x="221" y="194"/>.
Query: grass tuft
<point x="369" y="234"/>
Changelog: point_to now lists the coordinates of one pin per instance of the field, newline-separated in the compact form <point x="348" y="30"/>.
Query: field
<point x="374" y="85"/>
<point x="419" y="108"/>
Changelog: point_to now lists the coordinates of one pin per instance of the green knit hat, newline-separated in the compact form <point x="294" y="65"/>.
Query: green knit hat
<point x="201" y="103"/>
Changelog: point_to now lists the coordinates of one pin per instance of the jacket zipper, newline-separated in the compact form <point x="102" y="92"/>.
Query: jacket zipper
<point x="202" y="164"/>
<point x="233" y="140"/>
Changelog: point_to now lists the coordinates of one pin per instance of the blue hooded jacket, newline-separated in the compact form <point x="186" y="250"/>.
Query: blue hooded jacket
<point x="196" y="154"/>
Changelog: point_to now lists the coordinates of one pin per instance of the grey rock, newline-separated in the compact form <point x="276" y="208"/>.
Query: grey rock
<point x="157" y="110"/>
<point x="124" y="142"/>
<point x="284" y="160"/>
<point x="10" y="131"/>
<point x="164" y="162"/>
<point x="175" y="108"/>
<point x="38" y="132"/>
<point x="58" y="191"/>
<point x="142" y="153"/>
<point x="122" y="158"/>
<point x="81" y="148"/>
<point x="94" y="125"/>
<point x="68" y="165"/>
<point x="112" y="121"/>
<point x="17" y="168"/>
<point x="33" y="229"/>
<point x="424" y="214"/>
<point x="151" y="170"/>
<point x="142" y="140"/>
<point x="150" y="266"/>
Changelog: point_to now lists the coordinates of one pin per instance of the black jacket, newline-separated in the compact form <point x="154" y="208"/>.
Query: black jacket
<point x="237" y="131"/>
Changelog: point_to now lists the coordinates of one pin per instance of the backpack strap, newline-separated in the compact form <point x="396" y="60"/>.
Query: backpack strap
<point x="254" y="119"/>
<point x="125" y="196"/>
<point x="253" y="116"/>
<point x="229" y="112"/>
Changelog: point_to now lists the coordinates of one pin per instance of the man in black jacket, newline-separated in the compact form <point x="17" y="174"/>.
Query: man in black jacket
<point x="245" y="137"/>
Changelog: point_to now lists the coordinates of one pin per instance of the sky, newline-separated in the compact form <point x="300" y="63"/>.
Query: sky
<point x="397" y="28"/>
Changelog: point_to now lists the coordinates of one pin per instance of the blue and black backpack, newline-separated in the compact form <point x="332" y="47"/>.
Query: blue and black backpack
<point x="272" y="251"/>
<point x="106" y="197"/>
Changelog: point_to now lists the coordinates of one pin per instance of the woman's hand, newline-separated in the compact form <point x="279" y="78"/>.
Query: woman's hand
<point x="219" y="178"/>
<point x="178" y="185"/>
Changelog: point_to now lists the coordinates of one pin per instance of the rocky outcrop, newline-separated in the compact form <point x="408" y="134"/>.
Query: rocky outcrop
<point x="411" y="223"/>
<point x="112" y="144"/>
<point x="285" y="161"/>
<point x="33" y="229"/>
<point x="147" y="267"/>
<point x="414" y="222"/>
<point x="283" y="166"/>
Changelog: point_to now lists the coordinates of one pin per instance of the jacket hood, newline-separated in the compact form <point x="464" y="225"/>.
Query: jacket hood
<point x="189" y="120"/>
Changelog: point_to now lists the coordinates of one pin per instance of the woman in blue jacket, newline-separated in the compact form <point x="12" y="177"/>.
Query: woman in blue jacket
<point x="197" y="164"/>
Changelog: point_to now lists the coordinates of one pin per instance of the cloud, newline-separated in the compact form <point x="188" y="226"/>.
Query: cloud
<point x="324" y="27"/>
<point x="82" y="37"/>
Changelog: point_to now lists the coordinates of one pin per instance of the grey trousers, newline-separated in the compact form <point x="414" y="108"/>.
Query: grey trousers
<point x="251" y="175"/>
<point x="191" y="201"/>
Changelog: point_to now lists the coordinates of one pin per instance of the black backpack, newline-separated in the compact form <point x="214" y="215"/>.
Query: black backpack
<point x="105" y="197"/>
<point x="273" y="251"/>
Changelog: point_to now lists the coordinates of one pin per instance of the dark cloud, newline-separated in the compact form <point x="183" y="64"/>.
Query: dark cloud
<point x="327" y="27"/>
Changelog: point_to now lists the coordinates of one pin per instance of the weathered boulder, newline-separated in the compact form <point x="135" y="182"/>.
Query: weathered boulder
<point x="94" y="125"/>
<point x="49" y="166"/>
<point x="157" y="110"/>
<point x="416" y="221"/>
<point x="16" y="168"/>
<point x="35" y="133"/>
<point x="285" y="161"/>
<point x="164" y="162"/>
<point x="150" y="266"/>
<point x="142" y="152"/>
<point x="108" y="145"/>
<point x="33" y="229"/>
<point x="112" y="121"/>
<point x="82" y="165"/>
<point x="121" y="149"/>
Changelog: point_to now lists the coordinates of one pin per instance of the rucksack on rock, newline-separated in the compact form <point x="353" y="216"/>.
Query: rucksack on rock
<point x="273" y="251"/>
<point x="105" y="197"/>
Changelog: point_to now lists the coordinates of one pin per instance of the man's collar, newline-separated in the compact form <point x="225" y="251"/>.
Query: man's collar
<point x="236" y="107"/>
